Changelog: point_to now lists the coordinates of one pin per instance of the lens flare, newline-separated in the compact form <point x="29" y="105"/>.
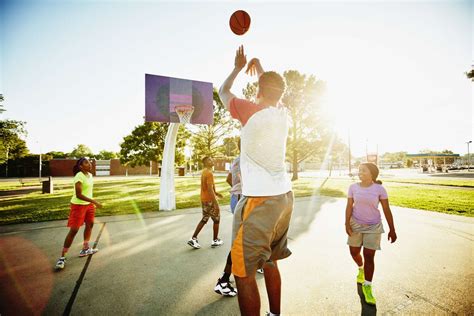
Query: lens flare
<point x="25" y="284"/>
<point x="324" y="165"/>
<point x="138" y="212"/>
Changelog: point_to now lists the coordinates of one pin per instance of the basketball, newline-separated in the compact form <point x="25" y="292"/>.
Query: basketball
<point x="239" y="22"/>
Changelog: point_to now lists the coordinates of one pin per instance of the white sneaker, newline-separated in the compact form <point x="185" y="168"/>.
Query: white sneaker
<point x="225" y="289"/>
<point x="88" y="251"/>
<point x="193" y="242"/>
<point x="61" y="263"/>
<point x="260" y="271"/>
<point x="216" y="243"/>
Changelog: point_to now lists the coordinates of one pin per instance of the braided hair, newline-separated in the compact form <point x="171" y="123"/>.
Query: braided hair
<point x="76" y="167"/>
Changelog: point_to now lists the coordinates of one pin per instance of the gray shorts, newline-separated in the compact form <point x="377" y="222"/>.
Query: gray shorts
<point x="259" y="232"/>
<point x="367" y="236"/>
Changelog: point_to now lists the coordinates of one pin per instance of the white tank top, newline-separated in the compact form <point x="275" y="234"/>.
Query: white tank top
<point x="263" y="149"/>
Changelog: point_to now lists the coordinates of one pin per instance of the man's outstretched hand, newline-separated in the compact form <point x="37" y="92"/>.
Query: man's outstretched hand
<point x="254" y="67"/>
<point x="224" y="91"/>
<point x="240" y="58"/>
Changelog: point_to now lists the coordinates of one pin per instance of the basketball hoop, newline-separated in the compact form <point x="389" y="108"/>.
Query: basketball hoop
<point x="184" y="113"/>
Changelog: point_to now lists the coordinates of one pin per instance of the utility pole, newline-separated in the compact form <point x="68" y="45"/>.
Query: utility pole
<point x="40" y="162"/>
<point x="6" y="166"/>
<point x="468" y="156"/>
<point x="366" y="150"/>
<point x="377" y="156"/>
<point x="350" y="163"/>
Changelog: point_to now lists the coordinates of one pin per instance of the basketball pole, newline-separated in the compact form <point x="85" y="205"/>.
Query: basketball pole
<point x="167" y="192"/>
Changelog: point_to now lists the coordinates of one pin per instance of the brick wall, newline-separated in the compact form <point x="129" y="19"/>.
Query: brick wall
<point x="219" y="163"/>
<point x="63" y="167"/>
<point x="117" y="169"/>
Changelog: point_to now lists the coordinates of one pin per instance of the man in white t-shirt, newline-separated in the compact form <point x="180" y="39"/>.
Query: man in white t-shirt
<point x="262" y="216"/>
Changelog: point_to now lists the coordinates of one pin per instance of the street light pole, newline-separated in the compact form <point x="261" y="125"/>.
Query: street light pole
<point x="468" y="155"/>
<point x="40" y="162"/>
<point x="40" y="166"/>
<point x="350" y="163"/>
<point x="6" y="166"/>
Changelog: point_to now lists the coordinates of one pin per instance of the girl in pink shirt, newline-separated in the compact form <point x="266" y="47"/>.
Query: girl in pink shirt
<point x="364" y="223"/>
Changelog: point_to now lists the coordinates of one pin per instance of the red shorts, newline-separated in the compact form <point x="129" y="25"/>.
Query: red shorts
<point x="81" y="214"/>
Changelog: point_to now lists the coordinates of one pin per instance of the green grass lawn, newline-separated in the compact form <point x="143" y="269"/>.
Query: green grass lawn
<point x="140" y="194"/>
<point x="434" y="181"/>
<point x="449" y="199"/>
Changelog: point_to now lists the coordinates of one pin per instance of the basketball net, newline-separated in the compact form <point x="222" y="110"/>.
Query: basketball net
<point x="184" y="113"/>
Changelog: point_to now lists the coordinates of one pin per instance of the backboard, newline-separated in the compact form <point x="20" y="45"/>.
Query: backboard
<point x="163" y="94"/>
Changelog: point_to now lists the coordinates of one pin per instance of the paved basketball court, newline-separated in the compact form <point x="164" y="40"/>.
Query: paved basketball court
<point x="145" y="267"/>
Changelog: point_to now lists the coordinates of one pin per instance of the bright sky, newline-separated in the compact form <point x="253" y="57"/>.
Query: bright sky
<point x="74" y="71"/>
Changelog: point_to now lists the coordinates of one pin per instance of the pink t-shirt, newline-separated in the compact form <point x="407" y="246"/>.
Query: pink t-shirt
<point x="366" y="201"/>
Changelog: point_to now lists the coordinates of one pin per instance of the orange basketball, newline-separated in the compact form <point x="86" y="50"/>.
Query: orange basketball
<point x="239" y="22"/>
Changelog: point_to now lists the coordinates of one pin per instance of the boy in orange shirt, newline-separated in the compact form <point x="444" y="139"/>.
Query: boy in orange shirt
<point x="210" y="207"/>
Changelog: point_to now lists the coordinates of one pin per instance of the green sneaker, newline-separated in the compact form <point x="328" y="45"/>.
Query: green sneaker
<point x="361" y="276"/>
<point x="367" y="290"/>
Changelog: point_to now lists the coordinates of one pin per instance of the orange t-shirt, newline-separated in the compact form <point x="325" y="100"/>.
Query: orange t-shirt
<point x="207" y="181"/>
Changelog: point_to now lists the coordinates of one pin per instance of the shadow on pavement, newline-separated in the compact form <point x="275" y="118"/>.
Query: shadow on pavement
<point x="366" y="309"/>
<point x="147" y="268"/>
<point x="144" y="266"/>
<point x="303" y="217"/>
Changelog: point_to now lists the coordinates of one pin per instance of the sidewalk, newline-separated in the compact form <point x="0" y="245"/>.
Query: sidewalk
<point x="145" y="267"/>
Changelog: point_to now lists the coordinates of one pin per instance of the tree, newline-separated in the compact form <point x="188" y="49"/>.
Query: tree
<point x="308" y="135"/>
<point x="54" y="155"/>
<point x="429" y="151"/>
<point x="395" y="157"/>
<point x="146" y="143"/>
<point x="1" y="104"/>
<point x="336" y="151"/>
<point x="81" y="151"/>
<point x="470" y="74"/>
<point x="426" y="151"/>
<point x="19" y="150"/>
<point x="447" y="151"/>
<point x="106" y="155"/>
<point x="229" y="148"/>
<point x="208" y="139"/>
<point x="11" y="144"/>
<point x="250" y="91"/>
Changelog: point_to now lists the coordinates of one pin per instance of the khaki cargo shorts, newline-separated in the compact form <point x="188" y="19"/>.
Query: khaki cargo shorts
<point x="367" y="236"/>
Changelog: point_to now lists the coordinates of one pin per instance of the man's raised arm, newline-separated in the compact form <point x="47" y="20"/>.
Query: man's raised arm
<point x="239" y="63"/>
